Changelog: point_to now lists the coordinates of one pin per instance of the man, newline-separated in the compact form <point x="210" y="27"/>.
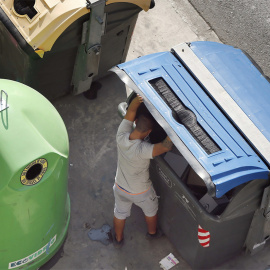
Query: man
<point x="132" y="183"/>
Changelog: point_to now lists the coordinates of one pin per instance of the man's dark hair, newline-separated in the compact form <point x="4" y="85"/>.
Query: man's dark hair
<point x="144" y="123"/>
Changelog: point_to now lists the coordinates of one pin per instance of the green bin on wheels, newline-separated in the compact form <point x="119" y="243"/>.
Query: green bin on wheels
<point x="34" y="202"/>
<point x="58" y="47"/>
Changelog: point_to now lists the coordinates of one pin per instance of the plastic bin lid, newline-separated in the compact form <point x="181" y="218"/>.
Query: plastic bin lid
<point x="233" y="160"/>
<point x="30" y="128"/>
<point x="51" y="19"/>
<point x="237" y="86"/>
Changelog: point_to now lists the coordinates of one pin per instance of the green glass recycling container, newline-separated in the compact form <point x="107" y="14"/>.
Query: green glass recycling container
<point x="34" y="200"/>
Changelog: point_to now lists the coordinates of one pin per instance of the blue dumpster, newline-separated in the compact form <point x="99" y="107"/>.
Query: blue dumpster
<point x="213" y="102"/>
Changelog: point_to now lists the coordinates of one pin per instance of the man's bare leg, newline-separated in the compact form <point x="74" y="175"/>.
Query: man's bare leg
<point x="119" y="225"/>
<point x="151" y="224"/>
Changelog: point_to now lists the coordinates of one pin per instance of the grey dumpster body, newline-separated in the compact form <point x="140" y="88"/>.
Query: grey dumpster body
<point x="203" y="239"/>
<point x="64" y="47"/>
<point x="213" y="186"/>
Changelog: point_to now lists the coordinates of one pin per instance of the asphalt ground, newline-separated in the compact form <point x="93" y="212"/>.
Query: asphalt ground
<point x="241" y="23"/>
<point x="92" y="125"/>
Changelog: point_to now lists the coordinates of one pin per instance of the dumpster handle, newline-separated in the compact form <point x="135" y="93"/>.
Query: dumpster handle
<point x="2" y="106"/>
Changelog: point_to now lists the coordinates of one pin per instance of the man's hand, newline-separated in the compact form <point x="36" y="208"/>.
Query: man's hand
<point x="133" y="107"/>
<point x="167" y="143"/>
<point x="162" y="147"/>
<point x="135" y="102"/>
<point x="139" y="98"/>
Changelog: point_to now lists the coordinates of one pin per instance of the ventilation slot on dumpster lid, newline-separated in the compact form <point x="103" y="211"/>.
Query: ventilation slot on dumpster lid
<point x="184" y="116"/>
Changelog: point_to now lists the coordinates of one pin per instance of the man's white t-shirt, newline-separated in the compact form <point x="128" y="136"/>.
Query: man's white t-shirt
<point x="133" y="160"/>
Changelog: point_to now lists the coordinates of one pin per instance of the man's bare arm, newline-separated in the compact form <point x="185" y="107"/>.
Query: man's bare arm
<point x="167" y="143"/>
<point x="162" y="147"/>
<point x="133" y="107"/>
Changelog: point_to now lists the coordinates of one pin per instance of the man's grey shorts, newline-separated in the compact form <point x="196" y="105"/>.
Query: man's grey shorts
<point x="147" y="201"/>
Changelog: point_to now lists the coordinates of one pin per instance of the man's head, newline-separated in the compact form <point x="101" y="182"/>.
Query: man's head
<point x="144" y="124"/>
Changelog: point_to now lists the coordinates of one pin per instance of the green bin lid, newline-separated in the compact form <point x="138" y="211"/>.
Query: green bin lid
<point x="30" y="128"/>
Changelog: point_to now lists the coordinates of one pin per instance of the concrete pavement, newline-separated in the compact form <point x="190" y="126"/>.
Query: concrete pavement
<point x="171" y="22"/>
<point x="92" y="126"/>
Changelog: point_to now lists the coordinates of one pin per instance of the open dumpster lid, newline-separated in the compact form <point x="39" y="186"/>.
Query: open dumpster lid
<point x="204" y="134"/>
<point x="237" y="86"/>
